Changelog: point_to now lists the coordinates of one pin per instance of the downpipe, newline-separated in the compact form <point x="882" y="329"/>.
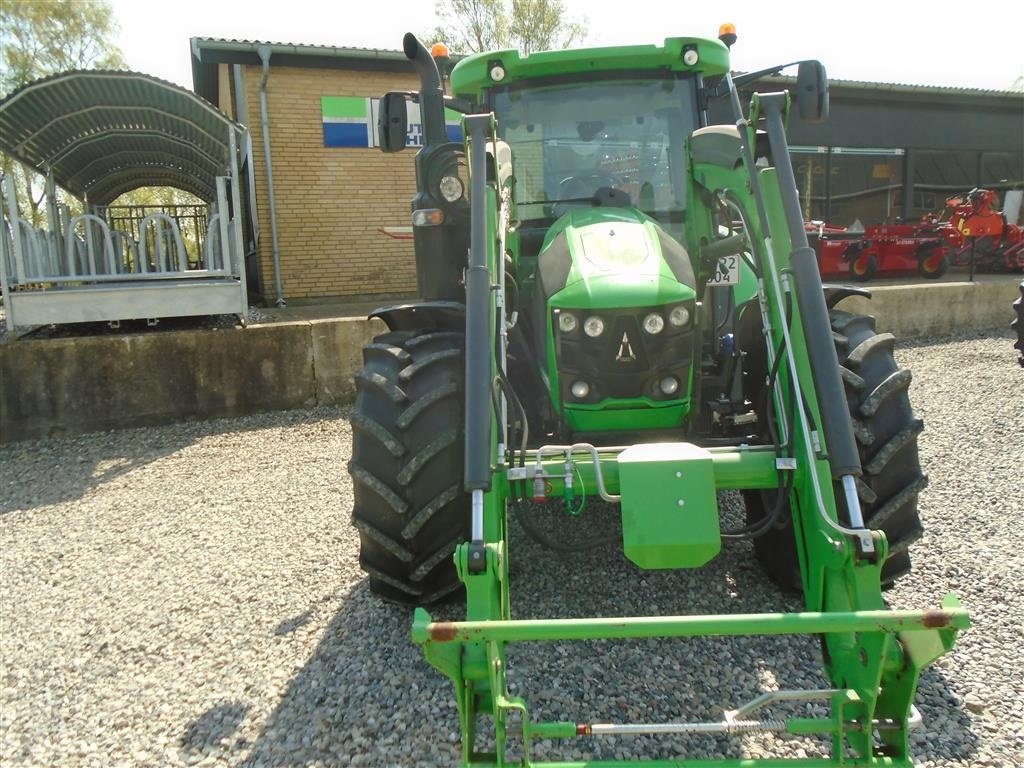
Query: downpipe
<point x="264" y="53"/>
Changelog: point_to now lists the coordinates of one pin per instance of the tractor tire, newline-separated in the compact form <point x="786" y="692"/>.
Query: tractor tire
<point x="863" y="269"/>
<point x="407" y="464"/>
<point x="1018" y="324"/>
<point x="886" y="430"/>
<point x="933" y="264"/>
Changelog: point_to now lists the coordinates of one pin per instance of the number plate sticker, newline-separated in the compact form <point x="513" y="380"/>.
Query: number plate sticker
<point x="727" y="272"/>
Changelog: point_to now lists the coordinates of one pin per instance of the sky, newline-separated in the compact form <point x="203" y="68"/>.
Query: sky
<point x="936" y="43"/>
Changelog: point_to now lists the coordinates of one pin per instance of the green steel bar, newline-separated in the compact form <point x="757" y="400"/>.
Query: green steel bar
<point x="812" y="762"/>
<point x="734" y="470"/>
<point x="685" y="626"/>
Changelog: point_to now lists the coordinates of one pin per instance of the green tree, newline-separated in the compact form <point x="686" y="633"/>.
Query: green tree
<point x="44" y="37"/>
<point x="472" y="26"/>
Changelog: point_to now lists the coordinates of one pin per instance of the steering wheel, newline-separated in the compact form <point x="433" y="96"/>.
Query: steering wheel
<point x="583" y="185"/>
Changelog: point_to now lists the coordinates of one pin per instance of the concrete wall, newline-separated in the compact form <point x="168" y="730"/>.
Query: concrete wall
<point x="77" y="385"/>
<point x="939" y="308"/>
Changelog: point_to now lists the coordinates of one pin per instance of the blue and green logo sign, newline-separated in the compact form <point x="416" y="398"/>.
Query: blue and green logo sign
<point x="351" y="121"/>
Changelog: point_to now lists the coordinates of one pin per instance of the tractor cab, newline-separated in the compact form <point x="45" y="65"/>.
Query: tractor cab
<point x="607" y="288"/>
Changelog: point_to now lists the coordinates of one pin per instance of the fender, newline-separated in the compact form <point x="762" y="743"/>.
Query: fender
<point x="442" y="315"/>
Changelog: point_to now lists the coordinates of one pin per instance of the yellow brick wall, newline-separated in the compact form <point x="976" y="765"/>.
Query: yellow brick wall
<point x="330" y="200"/>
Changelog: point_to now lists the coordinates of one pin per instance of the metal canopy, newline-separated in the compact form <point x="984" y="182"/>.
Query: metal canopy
<point x="102" y="133"/>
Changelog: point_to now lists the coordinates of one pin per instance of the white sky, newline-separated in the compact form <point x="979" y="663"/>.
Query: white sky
<point x="977" y="45"/>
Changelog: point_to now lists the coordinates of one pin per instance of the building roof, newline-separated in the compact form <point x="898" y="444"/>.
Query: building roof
<point x="208" y="51"/>
<point x="102" y="133"/>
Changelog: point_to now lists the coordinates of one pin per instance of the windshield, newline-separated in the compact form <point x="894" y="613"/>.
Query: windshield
<point x="571" y="139"/>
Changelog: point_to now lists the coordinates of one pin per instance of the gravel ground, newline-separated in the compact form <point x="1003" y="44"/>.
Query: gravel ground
<point x="190" y="595"/>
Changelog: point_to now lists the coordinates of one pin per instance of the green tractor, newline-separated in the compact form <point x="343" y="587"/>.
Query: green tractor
<point x="618" y="302"/>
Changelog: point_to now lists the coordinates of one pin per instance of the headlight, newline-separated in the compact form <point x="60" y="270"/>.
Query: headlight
<point x="567" y="322"/>
<point x="679" y="316"/>
<point x="669" y="385"/>
<point x="593" y="326"/>
<point x="451" y="188"/>
<point x="580" y="389"/>
<point x="654" y="323"/>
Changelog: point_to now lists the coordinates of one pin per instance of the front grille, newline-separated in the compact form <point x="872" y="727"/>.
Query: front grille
<point x="625" y="361"/>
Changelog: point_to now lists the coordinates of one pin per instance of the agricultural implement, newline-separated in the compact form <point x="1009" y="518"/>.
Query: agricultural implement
<point x="619" y="302"/>
<point x="977" y="232"/>
<point x="842" y="253"/>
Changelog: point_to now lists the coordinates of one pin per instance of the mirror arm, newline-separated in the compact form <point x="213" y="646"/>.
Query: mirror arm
<point x="721" y="88"/>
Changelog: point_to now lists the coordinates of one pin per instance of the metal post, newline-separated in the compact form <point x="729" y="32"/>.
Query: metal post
<point x="264" y="53"/>
<point x="222" y="223"/>
<point x="14" y="222"/>
<point x="237" y="262"/>
<point x="828" y="184"/>
<point x="908" y="184"/>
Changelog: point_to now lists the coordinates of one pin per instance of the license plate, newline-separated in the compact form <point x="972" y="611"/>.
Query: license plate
<point x="727" y="272"/>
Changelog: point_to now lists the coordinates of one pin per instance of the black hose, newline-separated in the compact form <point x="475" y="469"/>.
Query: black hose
<point x="760" y="528"/>
<point x="546" y="541"/>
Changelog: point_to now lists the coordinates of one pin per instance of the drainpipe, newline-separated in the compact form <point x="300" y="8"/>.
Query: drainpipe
<point x="263" y="51"/>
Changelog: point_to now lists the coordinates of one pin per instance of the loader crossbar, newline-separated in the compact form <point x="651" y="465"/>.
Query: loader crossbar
<point x="807" y="622"/>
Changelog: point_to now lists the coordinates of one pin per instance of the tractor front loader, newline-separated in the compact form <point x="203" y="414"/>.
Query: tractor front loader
<point x="619" y="303"/>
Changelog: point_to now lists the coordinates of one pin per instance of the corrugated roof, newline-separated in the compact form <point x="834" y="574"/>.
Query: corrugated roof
<point x="104" y="132"/>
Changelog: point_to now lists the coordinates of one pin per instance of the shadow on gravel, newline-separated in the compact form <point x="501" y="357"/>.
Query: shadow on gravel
<point x="40" y="473"/>
<point x="212" y="730"/>
<point x="366" y="696"/>
<point x="947" y="733"/>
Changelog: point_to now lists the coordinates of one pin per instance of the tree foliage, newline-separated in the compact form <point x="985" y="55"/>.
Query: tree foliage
<point x="44" y="37"/>
<point x="472" y="26"/>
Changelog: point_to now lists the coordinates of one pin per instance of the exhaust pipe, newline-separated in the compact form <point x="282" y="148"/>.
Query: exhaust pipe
<point x="431" y="92"/>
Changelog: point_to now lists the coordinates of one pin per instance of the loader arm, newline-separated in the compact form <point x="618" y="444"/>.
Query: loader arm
<point x="873" y="656"/>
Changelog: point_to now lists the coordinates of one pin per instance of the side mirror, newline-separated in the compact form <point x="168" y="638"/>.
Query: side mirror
<point x="812" y="91"/>
<point x="392" y="122"/>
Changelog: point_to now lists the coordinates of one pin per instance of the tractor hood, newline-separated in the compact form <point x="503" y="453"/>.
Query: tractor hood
<point x="613" y="257"/>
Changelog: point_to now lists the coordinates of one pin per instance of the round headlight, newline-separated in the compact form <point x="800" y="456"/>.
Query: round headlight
<point x="497" y="73"/>
<point x="654" y="323"/>
<point x="451" y="188"/>
<point x="679" y="316"/>
<point x="580" y="389"/>
<point x="566" y="322"/>
<point x="669" y="385"/>
<point x="690" y="57"/>
<point x="593" y="326"/>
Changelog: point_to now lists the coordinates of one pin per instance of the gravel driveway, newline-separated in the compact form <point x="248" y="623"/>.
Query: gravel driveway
<point x="190" y="595"/>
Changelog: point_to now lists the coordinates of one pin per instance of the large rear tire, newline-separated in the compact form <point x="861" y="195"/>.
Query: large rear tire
<point x="1018" y="324"/>
<point x="407" y="463"/>
<point x="886" y="429"/>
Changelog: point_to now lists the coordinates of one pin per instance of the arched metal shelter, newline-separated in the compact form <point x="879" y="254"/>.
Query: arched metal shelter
<point x="98" y="134"/>
<point x="102" y="133"/>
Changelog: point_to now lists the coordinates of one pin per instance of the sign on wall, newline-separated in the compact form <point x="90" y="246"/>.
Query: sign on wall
<point x="351" y="121"/>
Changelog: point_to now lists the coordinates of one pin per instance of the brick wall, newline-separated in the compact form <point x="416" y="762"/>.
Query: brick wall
<point x="330" y="200"/>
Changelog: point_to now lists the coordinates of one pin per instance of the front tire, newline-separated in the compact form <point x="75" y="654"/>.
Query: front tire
<point x="407" y="464"/>
<point x="886" y="429"/>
